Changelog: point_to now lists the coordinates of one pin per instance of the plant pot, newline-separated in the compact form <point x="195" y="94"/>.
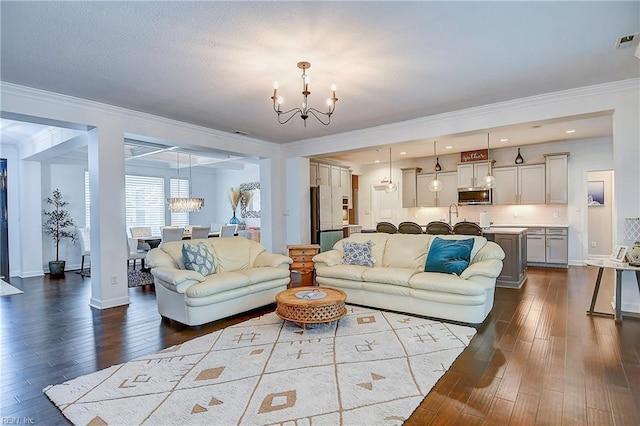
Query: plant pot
<point x="56" y="268"/>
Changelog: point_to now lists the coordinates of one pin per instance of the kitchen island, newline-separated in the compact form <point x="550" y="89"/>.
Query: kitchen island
<point x="514" y="243"/>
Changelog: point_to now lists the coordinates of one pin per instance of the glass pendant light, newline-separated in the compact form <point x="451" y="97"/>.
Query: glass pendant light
<point x="390" y="187"/>
<point x="488" y="181"/>
<point x="435" y="185"/>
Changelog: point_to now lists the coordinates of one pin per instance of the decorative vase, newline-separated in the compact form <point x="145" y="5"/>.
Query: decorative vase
<point x="519" y="159"/>
<point x="234" y="220"/>
<point x="56" y="268"/>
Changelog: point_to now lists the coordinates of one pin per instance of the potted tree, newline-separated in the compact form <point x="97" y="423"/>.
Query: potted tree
<point x="57" y="226"/>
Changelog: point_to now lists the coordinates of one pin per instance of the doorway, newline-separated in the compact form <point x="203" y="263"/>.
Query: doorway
<point x="600" y="207"/>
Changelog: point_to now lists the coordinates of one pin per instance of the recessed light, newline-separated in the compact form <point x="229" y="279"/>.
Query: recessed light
<point x="449" y="147"/>
<point x="571" y="131"/>
<point x="504" y="140"/>
<point x="377" y="161"/>
<point x="403" y="153"/>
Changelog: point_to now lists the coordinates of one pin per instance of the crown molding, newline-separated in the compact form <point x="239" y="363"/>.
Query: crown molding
<point x="415" y="128"/>
<point x="66" y="101"/>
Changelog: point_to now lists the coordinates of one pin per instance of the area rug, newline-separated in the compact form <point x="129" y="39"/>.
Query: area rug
<point x="135" y="277"/>
<point x="7" y="289"/>
<point x="369" y="368"/>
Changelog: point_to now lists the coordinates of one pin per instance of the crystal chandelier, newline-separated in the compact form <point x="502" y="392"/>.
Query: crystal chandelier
<point x="305" y="111"/>
<point x="185" y="204"/>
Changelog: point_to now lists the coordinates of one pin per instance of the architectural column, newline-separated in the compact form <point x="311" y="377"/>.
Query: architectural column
<point x="108" y="221"/>
<point x="29" y="240"/>
<point x="626" y="157"/>
<point x="297" y="188"/>
<point x="272" y="205"/>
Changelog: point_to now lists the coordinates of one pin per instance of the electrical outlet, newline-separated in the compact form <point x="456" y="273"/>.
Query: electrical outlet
<point x="114" y="279"/>
<point x="515" y="213"/>
<point x="556" y="215"/>
<point x="593" y="244"/>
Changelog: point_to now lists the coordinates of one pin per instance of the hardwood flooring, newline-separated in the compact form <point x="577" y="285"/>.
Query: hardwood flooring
<point x="537" y="359"/>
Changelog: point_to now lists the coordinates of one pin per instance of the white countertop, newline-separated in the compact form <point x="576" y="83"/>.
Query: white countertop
<point x="514" y="230"/>
<point x="529" y="225"/>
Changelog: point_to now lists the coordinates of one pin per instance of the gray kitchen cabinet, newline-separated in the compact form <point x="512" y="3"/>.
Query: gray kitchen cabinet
<point x="548" y="247"/>
<point x="557" y="178"/>
<point x="424" y="197"/>
<point x="469" y="174"/>
<point x="519" y="185"/>
<point x="557" y="246"/>
<point x="536" y="245"/>
<point x="409" y="186"/>
<point x="514" y="265"/>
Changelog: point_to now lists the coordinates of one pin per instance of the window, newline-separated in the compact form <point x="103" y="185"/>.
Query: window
<point x="179" y="189"/>
<point x="145" y="202"/>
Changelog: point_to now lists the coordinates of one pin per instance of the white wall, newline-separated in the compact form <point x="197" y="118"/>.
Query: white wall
<point x="226" y="179"/>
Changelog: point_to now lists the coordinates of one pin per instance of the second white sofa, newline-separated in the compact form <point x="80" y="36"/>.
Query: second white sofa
<point x="397" y="279"/>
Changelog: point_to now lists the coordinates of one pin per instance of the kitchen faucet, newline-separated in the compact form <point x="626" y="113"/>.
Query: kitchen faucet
<point x="456" y="206"/>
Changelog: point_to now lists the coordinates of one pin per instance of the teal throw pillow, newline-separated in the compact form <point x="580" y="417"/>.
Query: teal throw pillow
<point x="357" y="253"/>
<point x="449" y="256"/>
<point x="197" y="257"/>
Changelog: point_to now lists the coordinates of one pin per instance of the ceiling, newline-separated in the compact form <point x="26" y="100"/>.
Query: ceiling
<point x="213" y="63"/>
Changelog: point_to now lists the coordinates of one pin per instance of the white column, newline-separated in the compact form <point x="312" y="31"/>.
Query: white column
<point x="29" y="187"/>
<point x="626" y="157"/>
<point x="298" y="203"/>
<point x="272" y="204"/>
<point x="108" y="224"/>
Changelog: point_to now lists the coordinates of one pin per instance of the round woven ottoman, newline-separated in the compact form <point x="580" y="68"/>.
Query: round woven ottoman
<point x="311" y="305"/>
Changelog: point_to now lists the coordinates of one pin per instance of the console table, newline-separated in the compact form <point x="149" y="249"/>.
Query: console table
<point x="619" y="267"/>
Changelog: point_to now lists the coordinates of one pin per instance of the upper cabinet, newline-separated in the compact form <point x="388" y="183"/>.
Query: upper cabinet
<point x="330" y="175"/>
<point x="442" y="198"/>
<point x="469" y="174"/>
<point x="519" y="185"/>
<point x="557" y="178"/>
<point x="409" y="186"/>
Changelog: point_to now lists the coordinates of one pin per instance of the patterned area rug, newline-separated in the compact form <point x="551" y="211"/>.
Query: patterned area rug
<point x="7" y="289"/>
<point x="369" y="368"/>
<point x="135" y="277"/>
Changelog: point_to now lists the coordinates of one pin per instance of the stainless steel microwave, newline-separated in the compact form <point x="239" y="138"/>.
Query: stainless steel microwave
<point x="467" y="196"/>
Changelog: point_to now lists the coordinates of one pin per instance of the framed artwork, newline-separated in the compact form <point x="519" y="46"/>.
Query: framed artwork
<point x="595" y="193"/>
<point x="619" y="253"/>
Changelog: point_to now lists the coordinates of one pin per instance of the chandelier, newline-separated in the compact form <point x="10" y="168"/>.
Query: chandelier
<point x="184" y="204"/>
<point x="305" y="111"/>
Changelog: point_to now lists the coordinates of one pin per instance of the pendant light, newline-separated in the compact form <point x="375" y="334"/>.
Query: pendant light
<point x="184" y="204"/>
<point x="488" y="181"/>
<point x="390" y="187"/>
<point x="519" y="159"/>
<point x="435" y="185"/>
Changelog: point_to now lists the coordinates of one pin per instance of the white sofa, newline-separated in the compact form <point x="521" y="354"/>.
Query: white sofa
<point x="246" y="277"/>
<point x="397" y="280"/>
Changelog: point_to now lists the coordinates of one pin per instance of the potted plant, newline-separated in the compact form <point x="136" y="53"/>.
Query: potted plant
<point x="57" y="227"/>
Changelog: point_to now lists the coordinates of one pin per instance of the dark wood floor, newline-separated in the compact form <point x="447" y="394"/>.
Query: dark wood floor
<point x="538" y="359"/>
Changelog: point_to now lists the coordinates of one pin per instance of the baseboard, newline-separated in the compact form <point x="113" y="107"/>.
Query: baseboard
<point x="30" y="274"/>
<point x="106" y="304"/>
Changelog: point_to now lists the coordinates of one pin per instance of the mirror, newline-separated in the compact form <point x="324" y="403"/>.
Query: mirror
<point x="252" y="207"/>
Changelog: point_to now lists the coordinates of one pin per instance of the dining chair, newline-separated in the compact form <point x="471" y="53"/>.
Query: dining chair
<point x="228" y="230"/>
<point x="171" y="233"/>
<point x="141" y="232"/>
<point x="439" y="228"/>
<point x="387" y="227"/>
<point x="467" y="228"/>
<point x="135" y="253"/>
<point x="216" y="226"/>
<point x="84" y="235"/>
<point x="200" y="232"/>
<point x="409" y="228"/>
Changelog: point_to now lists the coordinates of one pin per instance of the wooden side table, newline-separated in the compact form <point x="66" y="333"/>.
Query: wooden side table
<point x="302" y="269"/>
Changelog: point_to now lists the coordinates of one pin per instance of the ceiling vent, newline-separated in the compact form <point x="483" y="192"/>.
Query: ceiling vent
<point x="626" y="41"/>
<point x="241" y="133"/>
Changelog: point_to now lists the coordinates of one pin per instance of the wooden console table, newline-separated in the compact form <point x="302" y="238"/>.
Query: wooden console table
<point x="619" y="267"/>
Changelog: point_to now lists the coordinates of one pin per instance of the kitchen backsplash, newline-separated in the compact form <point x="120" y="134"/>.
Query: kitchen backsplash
<point x="554" y="214"/>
